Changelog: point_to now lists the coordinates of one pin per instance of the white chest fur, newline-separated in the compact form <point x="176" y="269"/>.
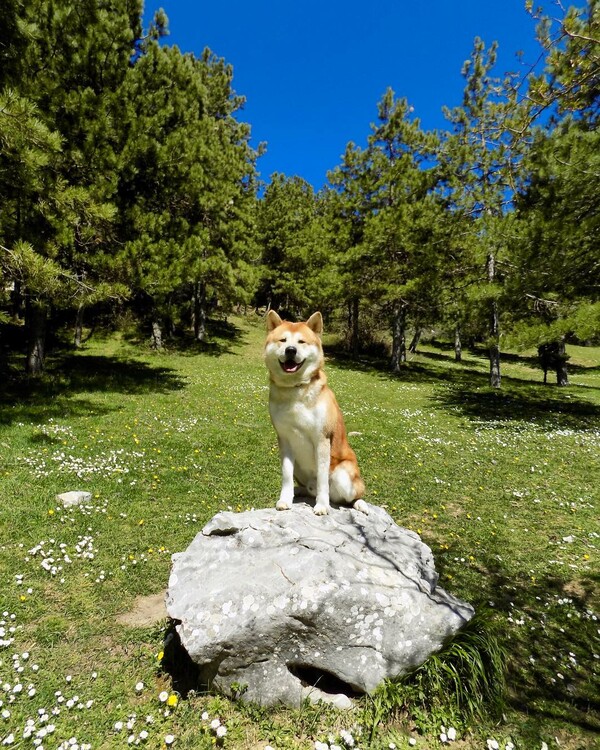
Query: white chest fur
<point x="299" y="419"/>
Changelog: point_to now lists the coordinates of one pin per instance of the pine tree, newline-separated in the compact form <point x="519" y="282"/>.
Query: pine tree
<point x="555" y="289"/>
<point x="286" y="213"/>
<point x="480" y="160"/>
<point x="65" y="69"/>
<point x="400" y="231"/>
<point x="385" y="229"/>
<point x="186" y="185"/>
<point x="570" y="80"/>
<point x="350" y="205"/>
<point x="29" y="194"/>
<point x="556" y="286"/>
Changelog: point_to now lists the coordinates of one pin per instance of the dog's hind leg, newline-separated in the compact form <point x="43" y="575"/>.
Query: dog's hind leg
<point x="361" y="505"/>
<point x="345" y="490"/>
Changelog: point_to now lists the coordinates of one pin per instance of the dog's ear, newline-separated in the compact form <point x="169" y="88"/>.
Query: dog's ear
<point x="273" y="320"/>
<point x="315" y="323"/>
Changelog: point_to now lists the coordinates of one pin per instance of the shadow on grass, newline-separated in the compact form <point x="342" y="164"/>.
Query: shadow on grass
<point x="223" y="337"/>
<point x="445" y="353"/>
<point x="547" y="625"/>
<point x="552" y="672"/>
<point x="411" y="373"/>
<point x="55" y="394"/>
<point x="520" y="401"/>
<point x="70" y="374"/>
<point x="465" y="389"/>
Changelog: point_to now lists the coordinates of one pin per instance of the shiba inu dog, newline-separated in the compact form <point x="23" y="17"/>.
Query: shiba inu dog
<point x="310" y="427"/>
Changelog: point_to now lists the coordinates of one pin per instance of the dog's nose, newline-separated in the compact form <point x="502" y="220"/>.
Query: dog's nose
<point x="290" y="352"/>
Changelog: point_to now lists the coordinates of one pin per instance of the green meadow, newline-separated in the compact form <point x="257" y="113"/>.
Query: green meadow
<point x="503" y="485"/>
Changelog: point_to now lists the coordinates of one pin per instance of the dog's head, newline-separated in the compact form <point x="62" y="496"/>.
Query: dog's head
<point x="293" y="351"/>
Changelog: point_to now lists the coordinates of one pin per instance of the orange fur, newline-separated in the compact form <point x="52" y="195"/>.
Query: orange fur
<point x="310" y="427"/>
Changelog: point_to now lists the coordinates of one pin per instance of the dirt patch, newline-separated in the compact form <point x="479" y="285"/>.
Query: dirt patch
<point x="146" y="611"/>
<point x="454" y="510"/>
<point x="583" y="589"/>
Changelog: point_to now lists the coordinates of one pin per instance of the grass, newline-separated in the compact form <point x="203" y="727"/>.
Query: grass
<point x="502" y="485"/>
<point x="462" y="683"/>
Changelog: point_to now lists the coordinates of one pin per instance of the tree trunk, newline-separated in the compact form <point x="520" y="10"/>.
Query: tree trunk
<point x="562" y="376"/>
<point x="415" y="341"/>
<point x="457" y="344"/>
<point x="78" y="327"/>
<point x="353" y="324"/>
<point x="156" y="341"/>
<point x="495" y="377"/>
<point x="16" y="302"/>
<point x="398" y="337"/>
<point x="545" y="357"/>
<point x="494" y="352"/>
<point x="35" y="315"/>
<point x="199" y="311"/>
<point x="553" y="356"/>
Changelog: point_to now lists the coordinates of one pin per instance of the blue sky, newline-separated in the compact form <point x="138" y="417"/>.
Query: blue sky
<point x="313" y="71"/>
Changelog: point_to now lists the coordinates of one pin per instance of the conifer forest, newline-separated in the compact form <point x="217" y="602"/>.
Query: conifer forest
<point x="129" y="191"/>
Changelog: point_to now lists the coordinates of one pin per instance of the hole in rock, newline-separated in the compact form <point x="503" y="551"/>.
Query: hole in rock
<point x="224" y="532"/>
<point x="176" y="662"/>
<point x="326" y="681"/>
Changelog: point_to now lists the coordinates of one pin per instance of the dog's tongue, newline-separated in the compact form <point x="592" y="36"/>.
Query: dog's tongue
<point x="290" y="365"/>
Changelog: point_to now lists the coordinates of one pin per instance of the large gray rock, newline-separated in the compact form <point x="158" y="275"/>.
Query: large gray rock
<point x="279" y="601"/>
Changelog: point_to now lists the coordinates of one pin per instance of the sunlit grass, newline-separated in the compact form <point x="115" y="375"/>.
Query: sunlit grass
<point x="502" y="486"/>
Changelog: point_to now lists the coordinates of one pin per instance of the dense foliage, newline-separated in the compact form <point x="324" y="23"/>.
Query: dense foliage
<point x="127" y="180"/>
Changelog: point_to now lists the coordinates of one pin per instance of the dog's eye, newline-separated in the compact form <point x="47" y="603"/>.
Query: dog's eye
<point x="301" y="341"/>
<point x="282" y="341"/>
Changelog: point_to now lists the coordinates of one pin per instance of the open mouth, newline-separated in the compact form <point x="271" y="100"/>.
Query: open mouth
<point x="290" y="365"/>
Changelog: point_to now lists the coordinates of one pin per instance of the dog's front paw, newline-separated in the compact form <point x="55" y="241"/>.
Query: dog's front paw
<point x="283" y="505"/>
<point x="321" y="509"/>
<point x="361" y="506"/>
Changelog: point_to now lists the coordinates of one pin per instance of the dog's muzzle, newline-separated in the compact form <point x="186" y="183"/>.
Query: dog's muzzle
<point x="289" y="364"/>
